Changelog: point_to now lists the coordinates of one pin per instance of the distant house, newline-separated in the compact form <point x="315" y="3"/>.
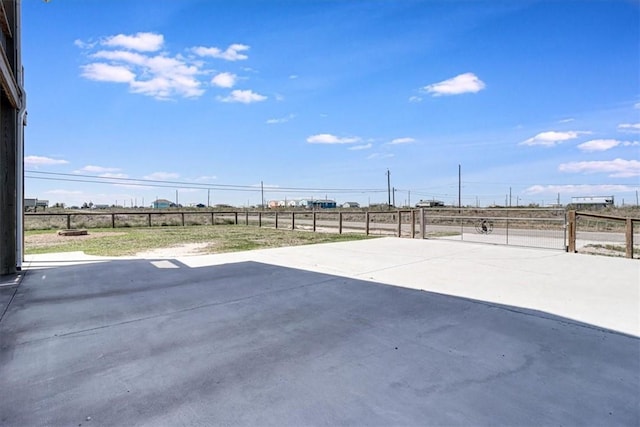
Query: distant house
<point x="100" y="206"/>
<point x="30" y="205"/>
<point x="321" y="204"/>
<point x="429" y="204"/>
<point x="592" y="202"/>
<point x="163" y="204"/>
<point x="351" y="205"/>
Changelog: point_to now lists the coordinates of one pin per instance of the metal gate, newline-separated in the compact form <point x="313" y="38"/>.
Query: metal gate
<point x="539" y="228"/>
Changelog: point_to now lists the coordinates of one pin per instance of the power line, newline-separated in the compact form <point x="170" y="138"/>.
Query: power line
<point x="55" y="176"/>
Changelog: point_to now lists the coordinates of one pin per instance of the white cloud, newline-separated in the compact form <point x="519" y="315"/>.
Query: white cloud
<point x="107" y="73"/>
<point x="96" y="169"/>
<point x="232" y="53"/>
<point x="159" y="76"/>
<point x="113" y="175"/>
<point x="605" y="144"/>
<point x="618" y="168"/>
<point x="399" y="141"/>
<point x="293" y="76"/>
<point x="162" y="176"/>
<point x="226" y="80"/>
<point x="143" y="42"/>
<point x="280" y="120"/>
<point x="566" y="120"/>
<point x="578" y="189"/>
<point x="361" y="147"/>
<point x="415" y="99"/>
<point x="327" y="138"/>
<point x="551" y="138"/>
<point x="136" y="60"/>
<point x="43" y="161"/>
<point x="636" y="105"/>
<point x="463" y="83"/>
<point x="206" y="178"/>
<point x="380" y="156"/>
<point x="243" y="96"/>
<point x="629" y="127"/>
<point x="59" y="192"/>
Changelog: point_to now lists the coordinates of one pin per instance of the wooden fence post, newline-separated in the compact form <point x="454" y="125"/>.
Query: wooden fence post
<point x="182" y="215"/>
<point x="213" y="219"/>
<point x="259" y="219"/>
<point x="413" y="224"/>
<point x="314" y="221"/>
<point x="629" y="237"/>
<point x="246" y="218"/>
<point x="276" y="220"/>
<point x="149" y="219"/>
<point x="423" y="232"/>
<point x="293" y="220"/>
<point x="572" y="232"/>
<point x="366" y="223"/>
<point x="339" y="222"/>
<point x="399" y="224"/>
<point x="68" y="221"/>
<point x="236" y="215"/>
<point x="113" y="220"/>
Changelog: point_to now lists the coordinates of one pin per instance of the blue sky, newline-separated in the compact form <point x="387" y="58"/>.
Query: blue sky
<point x="133" y="100"/>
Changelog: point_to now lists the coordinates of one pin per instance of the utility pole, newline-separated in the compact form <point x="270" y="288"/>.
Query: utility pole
<point x="394" y="196"/>
<point x="176" y="197"/>
<point x="388" y="188"/>
<point x="459" y="186"/>
<point x="208" y="197"/>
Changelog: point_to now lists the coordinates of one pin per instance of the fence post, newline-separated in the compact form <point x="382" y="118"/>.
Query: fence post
<point x="213" y="219"/>
<point x="339" y="222"/>
<point x="572" y="232"/>
<point x="113" y="220"/>
<point x="422" y="224"/>
<point x="246" y="218"/>
<point x="276" y="220"/>
<point x="236" y="212"/>
<point x="314" y="221"/>
<point x="399" y="224"/>
<point x="260" y="219"/>
<point x="366" y="223"/>
<point x="629" y="237"/>
<point x="182" y="215"/>
<point x="68" y="221"/>
<point x="507" y="226"/>
<point x="293" y="220"/>
<point x="413" y="224"/>
<point x="149" y="219"/>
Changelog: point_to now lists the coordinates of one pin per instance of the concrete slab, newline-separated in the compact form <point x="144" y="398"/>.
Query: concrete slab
<point x="246" y="339"/>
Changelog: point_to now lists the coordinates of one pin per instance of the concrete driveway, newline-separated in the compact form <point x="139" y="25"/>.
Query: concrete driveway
<point x="380" y="332"/>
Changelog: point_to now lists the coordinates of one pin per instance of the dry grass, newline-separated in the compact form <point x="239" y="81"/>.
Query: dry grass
<point x="221" y="238"/>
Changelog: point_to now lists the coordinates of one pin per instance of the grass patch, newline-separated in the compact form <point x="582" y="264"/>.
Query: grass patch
<point x="219" y="238"/>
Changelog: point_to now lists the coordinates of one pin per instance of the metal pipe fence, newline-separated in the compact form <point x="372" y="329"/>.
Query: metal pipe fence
<point x="541" y="228"/>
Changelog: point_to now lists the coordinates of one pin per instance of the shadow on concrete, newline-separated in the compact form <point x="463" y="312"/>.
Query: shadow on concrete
<point x="132" y="343"/>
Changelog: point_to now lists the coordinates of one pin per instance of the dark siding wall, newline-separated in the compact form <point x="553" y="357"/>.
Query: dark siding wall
<point x="8" y="135"/>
